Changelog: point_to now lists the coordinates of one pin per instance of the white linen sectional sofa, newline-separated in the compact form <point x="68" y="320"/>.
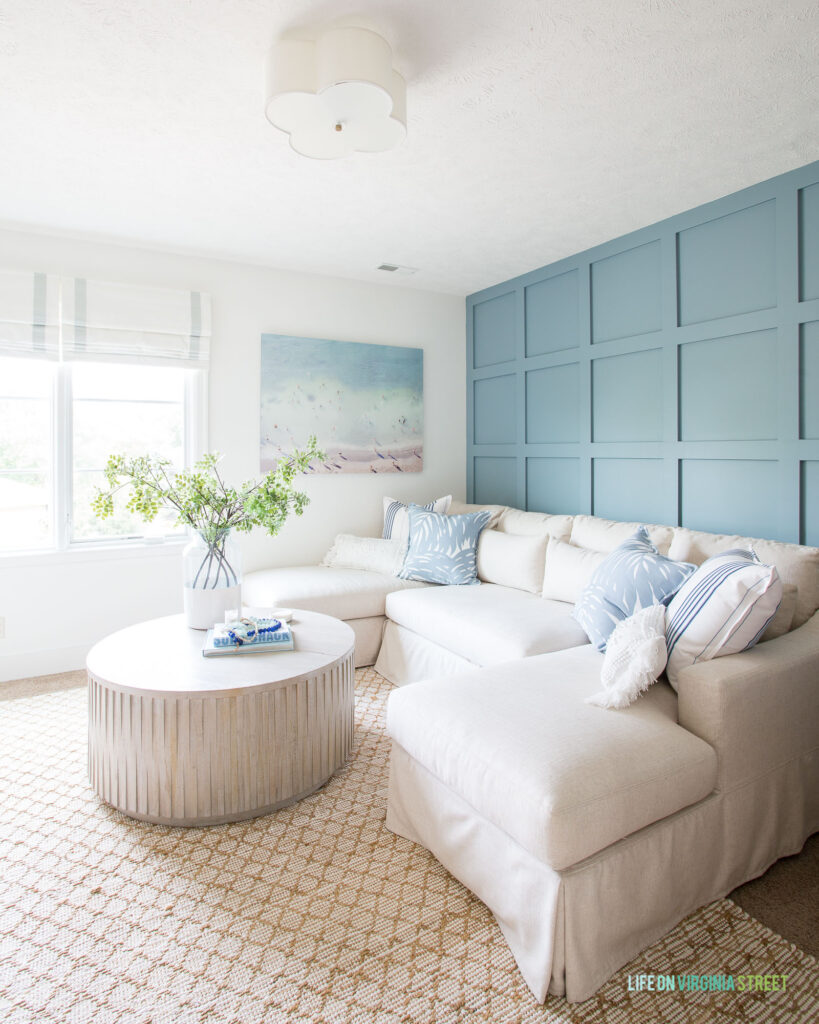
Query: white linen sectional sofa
<point x="588" y="832"/>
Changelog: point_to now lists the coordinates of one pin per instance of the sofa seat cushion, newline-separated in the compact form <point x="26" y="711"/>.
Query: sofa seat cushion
<point x="488" y="624"/>
<point x="561" y="777"/>
<point x="344" y="593"/>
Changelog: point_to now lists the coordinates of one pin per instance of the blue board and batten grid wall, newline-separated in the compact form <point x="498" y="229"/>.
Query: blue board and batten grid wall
<point x="668" y="376"/>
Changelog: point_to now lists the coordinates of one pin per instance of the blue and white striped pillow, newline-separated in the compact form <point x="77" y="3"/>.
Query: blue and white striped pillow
<point x="443" y="549"/>
<point x="632" y="577"/>
<point x="396" y="521"/>
<point x="723" y="608"/>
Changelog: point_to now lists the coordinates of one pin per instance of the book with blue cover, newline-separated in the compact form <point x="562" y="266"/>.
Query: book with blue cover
<point x="267" y="639"/>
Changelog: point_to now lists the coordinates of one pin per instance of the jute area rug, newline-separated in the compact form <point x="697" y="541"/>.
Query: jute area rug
<point x="314" y="913"/>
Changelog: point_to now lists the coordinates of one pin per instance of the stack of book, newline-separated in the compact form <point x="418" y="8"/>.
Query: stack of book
<point x="267" y="639"/>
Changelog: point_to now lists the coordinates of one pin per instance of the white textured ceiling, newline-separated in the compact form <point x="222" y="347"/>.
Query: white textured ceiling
<point x="536" y="129"/>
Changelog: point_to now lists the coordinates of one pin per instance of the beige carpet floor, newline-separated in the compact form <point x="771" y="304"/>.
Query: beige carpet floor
<point x="314" y="913"/>
<point x="786" y="897"/>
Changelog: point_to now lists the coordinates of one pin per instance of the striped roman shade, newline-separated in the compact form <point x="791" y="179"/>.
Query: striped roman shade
<point x="74" y="318"/>
<point x="29" y="314"/>
<point x="107" y="321"/>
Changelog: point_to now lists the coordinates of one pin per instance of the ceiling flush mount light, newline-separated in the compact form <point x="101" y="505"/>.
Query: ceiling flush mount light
<point x="337" y="94"/>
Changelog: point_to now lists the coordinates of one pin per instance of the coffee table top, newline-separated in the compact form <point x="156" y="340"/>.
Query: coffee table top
<point x="164" y="657"/>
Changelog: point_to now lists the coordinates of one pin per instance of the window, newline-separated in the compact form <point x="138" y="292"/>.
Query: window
<point x="26" y="506"/>
<point x="89" y="369"/>
<point x="59" y="422"/>
<point x="129" y="410"/>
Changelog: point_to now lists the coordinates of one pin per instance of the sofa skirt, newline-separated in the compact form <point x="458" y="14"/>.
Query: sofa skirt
<point x="570" y="930"/>
<point x="368" y="633"/>
<point x="407" y="657"/>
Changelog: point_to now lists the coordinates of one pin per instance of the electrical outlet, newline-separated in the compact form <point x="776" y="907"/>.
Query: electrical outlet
<point x="2" y="628"/>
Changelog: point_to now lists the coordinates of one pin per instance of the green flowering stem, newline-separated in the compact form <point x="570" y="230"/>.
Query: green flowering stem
<point x="203" y="501"/>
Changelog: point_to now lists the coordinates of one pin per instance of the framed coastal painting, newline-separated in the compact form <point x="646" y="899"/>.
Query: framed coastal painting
<point x="364" y="403"/>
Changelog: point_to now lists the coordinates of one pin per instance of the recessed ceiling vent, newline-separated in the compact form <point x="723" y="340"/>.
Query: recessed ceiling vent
<point x="395" y="268"/>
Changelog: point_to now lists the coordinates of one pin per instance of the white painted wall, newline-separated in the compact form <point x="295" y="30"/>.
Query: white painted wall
<point x="56" y="607"/>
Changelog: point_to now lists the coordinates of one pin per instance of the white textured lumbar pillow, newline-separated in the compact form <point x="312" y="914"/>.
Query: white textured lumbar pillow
<point x="635" y="658"/>
<point x="722" y="608"/>
<point x="372" y="553"/>
<point x="511" y="561"/>
<point x="569" y="570"/>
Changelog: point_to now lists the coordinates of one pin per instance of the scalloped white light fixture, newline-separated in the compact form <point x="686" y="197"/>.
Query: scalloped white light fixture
<point x="337" y="94"/>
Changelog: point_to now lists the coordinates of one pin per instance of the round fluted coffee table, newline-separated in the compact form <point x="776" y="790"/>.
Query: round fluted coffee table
<point x="178" y="739"/>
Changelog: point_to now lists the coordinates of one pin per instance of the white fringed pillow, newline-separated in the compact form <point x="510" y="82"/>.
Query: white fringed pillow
<point x="635" y="658"/>
<point x="371" y="553"/>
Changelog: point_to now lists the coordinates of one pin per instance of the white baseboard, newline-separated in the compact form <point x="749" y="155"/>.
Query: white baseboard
<point x="42" y="663"/>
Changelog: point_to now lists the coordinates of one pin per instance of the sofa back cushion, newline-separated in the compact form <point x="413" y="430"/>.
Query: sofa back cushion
<point x="535" y="524"/>
<point x="782" y="622"/>
<point x="607" y="534"/>
<point x="460" y="508"/>
<point x="795" y="563"/>
<point x="515" y="520"/>
<point x="569" y="570"/>
<point x="511" y="561"/>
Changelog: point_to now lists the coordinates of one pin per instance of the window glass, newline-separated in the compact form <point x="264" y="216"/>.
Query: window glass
<point x="26" y="388"/>
<point x="128" y="410"/>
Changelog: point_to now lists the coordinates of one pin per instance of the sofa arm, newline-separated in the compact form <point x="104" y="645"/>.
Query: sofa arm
<point x="758" y="709"/>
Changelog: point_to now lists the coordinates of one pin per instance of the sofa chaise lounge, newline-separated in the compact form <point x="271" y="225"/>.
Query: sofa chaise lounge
<point x="589" y="833"/>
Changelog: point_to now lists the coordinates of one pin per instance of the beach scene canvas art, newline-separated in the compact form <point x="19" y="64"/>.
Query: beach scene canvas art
<point x="365" y="404"/>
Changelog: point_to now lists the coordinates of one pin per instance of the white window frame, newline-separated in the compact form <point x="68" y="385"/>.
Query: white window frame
<point x="63" y="547"/>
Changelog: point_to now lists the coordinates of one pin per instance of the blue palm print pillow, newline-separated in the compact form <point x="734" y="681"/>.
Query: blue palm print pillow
<point x="634" y="576"/>
<point x="443" y="549"/>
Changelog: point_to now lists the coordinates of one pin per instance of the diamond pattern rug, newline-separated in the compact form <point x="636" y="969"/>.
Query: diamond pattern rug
<point x="314" y="913"/>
